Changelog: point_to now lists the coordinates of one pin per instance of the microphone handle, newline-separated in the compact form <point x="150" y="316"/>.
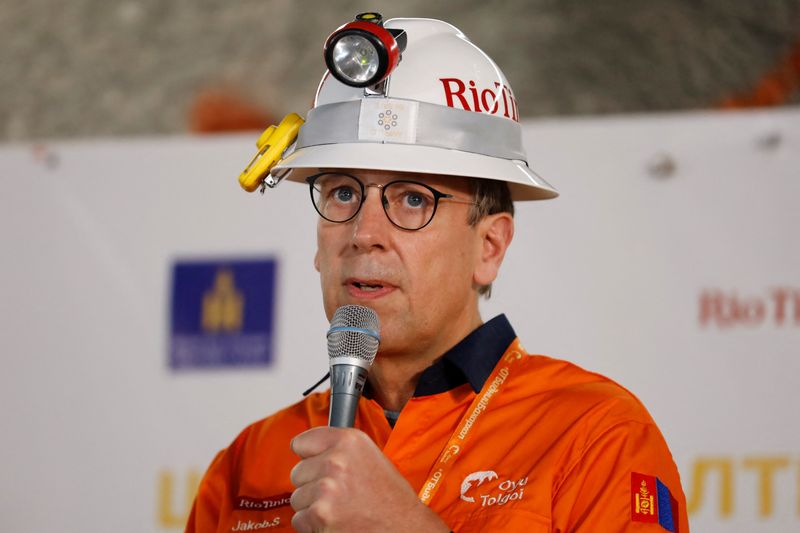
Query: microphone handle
<point x="347" y="383"/>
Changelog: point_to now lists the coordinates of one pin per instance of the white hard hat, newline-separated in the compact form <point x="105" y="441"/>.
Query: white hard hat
<point x="445" y="109"/>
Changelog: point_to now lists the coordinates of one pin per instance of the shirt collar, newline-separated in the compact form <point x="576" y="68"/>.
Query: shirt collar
<point x="470" y="361"/>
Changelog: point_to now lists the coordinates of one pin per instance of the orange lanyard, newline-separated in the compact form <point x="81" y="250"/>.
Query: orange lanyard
<point x="458" y="441"/>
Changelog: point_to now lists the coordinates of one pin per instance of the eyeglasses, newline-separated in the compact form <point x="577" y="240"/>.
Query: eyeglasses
<point x="409" y="205"/>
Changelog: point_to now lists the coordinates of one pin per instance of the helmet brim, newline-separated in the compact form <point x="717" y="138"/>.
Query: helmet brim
<point x="522" y="181"/>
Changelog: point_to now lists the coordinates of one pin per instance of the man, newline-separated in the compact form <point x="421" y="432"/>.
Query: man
<point x="460" y="428"/>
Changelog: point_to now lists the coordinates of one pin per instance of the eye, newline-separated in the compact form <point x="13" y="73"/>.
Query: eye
<point x="343" y="194"/>
<point x="415" y="199"/>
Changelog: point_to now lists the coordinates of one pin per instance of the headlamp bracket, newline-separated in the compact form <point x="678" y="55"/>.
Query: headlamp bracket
<point x="388" y="43"/>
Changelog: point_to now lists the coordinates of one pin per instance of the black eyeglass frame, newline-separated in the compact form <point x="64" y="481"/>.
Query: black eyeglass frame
<point x="437" y="195"/>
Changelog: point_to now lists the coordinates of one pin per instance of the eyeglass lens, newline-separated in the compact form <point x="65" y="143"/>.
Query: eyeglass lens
<point x="338" y="198"/>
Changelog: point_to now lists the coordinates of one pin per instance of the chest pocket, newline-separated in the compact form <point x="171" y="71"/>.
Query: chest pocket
<point x="503" y="520"/>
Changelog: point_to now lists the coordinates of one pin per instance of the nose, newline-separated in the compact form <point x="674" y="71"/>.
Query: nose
<point x="371" y="226"/>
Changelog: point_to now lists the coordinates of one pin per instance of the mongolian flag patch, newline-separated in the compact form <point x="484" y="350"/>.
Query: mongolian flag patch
<point x="651" y="501"/>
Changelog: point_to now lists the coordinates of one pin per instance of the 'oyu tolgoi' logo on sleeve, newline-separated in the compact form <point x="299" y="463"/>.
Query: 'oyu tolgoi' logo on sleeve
<point x="486" y="488"/>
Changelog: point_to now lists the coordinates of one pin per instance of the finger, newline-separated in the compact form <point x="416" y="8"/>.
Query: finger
<point x="303" y="496"/>
<point x="316" y="440"/>
<point x="312" y="502"/>
<point x="317" y="492"/>
<point x="302" y="522"/>
<point x="310" y="469"/>
<point x="311" y="519"/>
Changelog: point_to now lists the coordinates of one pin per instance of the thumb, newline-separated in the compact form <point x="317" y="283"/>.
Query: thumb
<point x="315" y="441"/>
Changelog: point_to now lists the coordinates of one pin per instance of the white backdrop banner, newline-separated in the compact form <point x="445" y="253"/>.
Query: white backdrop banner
<point x="131" y="267"/>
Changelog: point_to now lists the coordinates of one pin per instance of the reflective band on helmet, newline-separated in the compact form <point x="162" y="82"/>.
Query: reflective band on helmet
<point x="397" y="121"/>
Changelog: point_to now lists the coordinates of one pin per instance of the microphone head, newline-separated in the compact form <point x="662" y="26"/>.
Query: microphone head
<point x="354" y="336"/>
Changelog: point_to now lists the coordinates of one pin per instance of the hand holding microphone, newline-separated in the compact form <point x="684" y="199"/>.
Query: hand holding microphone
<point x="343" y="481"/>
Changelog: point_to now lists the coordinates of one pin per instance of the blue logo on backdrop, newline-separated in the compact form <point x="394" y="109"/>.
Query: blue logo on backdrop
<point x="222" y="313"/>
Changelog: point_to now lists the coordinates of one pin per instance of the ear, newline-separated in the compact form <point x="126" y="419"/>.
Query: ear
<point x="495" y="233"/>
<point x="316" y="260"/>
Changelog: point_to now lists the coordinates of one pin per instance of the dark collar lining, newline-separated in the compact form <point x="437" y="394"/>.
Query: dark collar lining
<point x="470" y="361"/>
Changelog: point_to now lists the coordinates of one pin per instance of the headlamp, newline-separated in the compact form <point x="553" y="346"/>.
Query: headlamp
<point x="363" y="53"/>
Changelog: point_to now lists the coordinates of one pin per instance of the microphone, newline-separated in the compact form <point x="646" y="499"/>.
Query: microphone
<point x="353" y="340"/>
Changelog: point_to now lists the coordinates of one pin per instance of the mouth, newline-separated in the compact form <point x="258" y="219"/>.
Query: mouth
<point x="368" y="288"/>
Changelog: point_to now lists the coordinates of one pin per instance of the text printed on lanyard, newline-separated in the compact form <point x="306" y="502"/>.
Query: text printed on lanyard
<point x="457" y="443"/>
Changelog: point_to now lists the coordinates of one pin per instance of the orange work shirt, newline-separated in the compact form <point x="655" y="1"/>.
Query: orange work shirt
<point x="557" y="449"/>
